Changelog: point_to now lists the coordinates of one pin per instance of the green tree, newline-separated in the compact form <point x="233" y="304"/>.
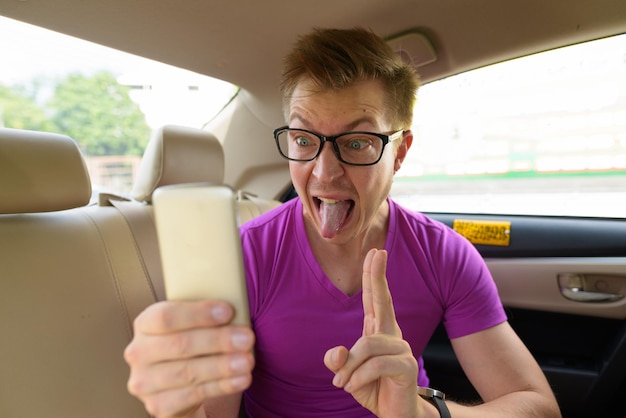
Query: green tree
<point x="19" y="110"/>
<point x="98" y="113"/>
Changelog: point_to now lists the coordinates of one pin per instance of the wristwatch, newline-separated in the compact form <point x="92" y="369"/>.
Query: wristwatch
<point x="437" y="398"/>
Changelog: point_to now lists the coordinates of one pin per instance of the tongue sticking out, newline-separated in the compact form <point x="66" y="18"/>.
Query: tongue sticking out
<point x="332" y="214"/>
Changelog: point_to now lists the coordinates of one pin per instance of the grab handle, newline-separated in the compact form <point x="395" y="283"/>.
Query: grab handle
<point x="577" y="287"/>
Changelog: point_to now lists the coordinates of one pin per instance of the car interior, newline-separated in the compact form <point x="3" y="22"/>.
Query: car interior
<point x="75" y="274"/>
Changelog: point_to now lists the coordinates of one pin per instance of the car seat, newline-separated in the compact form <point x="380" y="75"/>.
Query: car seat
<point x="71" y="282"/>
<point x="178" y="155"/>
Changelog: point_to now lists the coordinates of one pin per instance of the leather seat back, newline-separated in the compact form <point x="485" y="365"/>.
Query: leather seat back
<point x="71" y="282"/>
<point x="74" y="277"/>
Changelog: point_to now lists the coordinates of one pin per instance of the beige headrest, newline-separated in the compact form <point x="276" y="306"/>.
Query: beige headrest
<point x="41" y="172"/>
<point x="177" y="155"/>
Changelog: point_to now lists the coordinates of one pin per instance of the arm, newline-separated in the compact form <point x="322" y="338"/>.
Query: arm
<point x="379" y="370"/>
<point x="184" y="353"/>
<point x="505" y="375"/>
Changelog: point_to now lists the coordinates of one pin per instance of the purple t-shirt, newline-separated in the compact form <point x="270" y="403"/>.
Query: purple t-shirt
<point x="297" y="313"/>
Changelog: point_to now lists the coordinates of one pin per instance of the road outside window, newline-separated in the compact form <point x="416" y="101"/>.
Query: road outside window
<point x="540" y="135"/>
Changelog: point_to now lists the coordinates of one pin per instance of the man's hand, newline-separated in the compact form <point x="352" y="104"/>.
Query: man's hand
<point x="379" y="370"/>
<point x="185" y="352"/>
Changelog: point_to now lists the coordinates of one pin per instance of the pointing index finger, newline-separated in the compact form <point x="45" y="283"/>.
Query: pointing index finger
<point x="379" y="315"/>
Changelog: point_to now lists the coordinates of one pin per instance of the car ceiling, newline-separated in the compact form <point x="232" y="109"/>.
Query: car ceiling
<point x="243" y="41"/>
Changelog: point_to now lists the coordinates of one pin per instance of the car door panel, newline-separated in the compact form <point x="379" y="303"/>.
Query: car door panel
<point x="549" y="264"/>
<point x="540" y="284"/>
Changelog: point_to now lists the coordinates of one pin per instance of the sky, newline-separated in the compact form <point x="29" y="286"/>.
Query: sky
<point x="28" y="52"/>
<point x="24" y="54"/>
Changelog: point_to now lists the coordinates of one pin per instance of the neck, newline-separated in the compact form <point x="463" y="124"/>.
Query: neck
<point x="373" y="235"/>
<point x="342" y="260"/>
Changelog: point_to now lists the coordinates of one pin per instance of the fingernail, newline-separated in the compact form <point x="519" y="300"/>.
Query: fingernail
<point x="241" y="340"/>
<point x="337" y="381"/>
<point x="220" y="313"/>
<point x="238" y="364"/>
<point x="240" y="382"/>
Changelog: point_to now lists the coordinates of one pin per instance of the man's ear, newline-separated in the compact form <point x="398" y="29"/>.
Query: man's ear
<point x="403" y="148"/>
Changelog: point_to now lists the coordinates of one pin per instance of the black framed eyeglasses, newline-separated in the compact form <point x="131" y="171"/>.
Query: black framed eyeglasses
<point x="354" y="148"/>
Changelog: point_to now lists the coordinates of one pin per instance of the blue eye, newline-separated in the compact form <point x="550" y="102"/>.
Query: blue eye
<point x="302" y="141"/>
<point x="358" y="144"/>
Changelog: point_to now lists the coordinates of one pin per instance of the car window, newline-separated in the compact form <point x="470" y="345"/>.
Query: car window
<point x="109" y="101"/>
<point x="539" y="135"/>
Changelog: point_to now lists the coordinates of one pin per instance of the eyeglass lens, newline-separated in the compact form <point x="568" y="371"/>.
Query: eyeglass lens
<point x="355" y="148"/>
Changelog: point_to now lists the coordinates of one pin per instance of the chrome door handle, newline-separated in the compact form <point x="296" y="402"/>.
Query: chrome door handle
<point x="584" y="296"/>
<point x="577" y="287"/>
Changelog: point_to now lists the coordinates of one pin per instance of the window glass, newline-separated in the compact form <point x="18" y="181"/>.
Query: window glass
<point x="109" y="101"/>
<point x="540" y="135"/>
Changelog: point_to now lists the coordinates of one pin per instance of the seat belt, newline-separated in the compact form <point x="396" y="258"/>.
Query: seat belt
<point x="257" y="205"/>
<point x="140" y="220"/>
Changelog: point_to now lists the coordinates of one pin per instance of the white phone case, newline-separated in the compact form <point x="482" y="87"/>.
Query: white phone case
<point x="200" y="245"/>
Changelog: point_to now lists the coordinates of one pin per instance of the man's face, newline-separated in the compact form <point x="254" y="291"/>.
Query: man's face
<point x="342" y="201"/>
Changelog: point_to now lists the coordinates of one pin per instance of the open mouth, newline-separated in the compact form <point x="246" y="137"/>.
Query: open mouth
<point x="333" y="214"/>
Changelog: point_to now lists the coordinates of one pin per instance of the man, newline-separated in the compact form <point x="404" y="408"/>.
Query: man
<point x="345" y="286"/>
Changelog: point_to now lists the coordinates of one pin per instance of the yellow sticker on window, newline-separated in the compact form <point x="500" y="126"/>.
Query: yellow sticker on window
<point x="484" y="232"/>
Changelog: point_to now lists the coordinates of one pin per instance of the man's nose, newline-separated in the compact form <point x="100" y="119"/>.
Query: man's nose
<point x="327" y="164"/>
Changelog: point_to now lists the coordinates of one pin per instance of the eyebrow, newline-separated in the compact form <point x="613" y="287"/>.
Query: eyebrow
<point x="351" y="126"/>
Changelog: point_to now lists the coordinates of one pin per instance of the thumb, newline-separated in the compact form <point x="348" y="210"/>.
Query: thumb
<point x="335" y="358"/>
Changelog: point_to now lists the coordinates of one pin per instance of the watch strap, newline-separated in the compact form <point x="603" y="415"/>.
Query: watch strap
<point x="437" y="398"/>
<point x="441" y="406"/>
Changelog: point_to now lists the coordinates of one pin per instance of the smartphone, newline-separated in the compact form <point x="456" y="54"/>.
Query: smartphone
<point x="200" y="246"/>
